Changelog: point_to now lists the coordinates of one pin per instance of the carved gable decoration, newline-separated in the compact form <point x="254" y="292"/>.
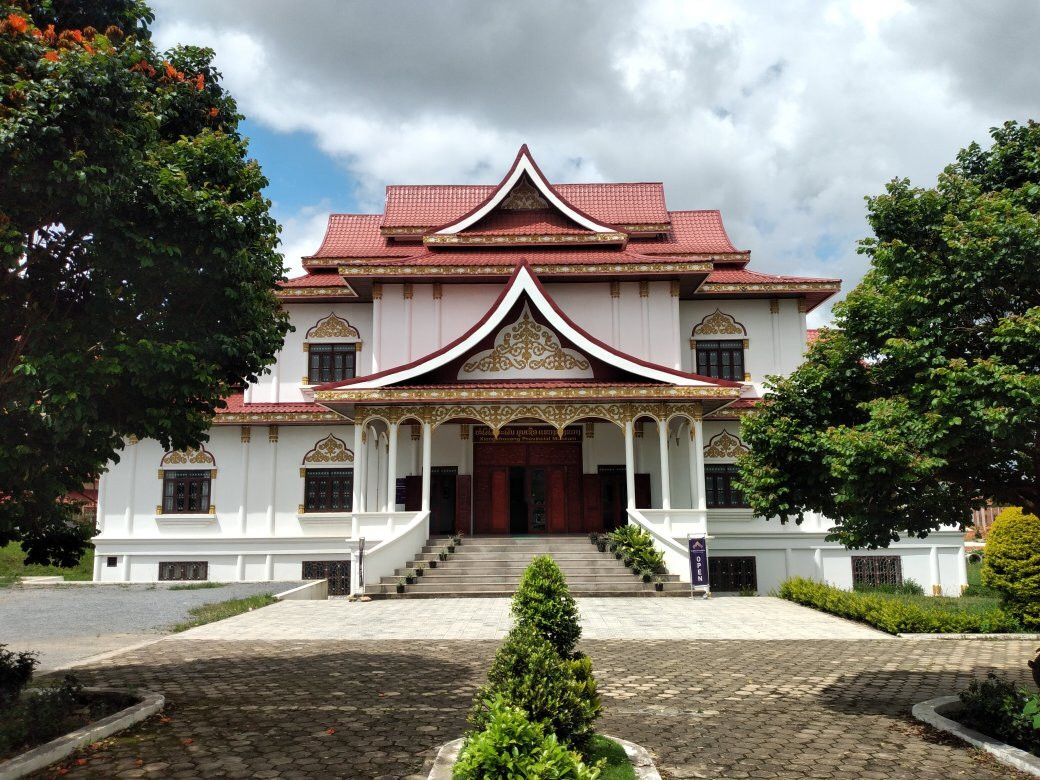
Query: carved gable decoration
<point x="725" y="445"/>
<point x="189" y="457"/>
<point x="524" y="197"/>
<point x="329" y="450"/>
<point x="719" y="324"/>
<point x="333" y="327"/>
<point x="527" y="349"/>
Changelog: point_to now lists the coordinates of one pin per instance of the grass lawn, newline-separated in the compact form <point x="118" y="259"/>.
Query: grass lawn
<point x="12" y="566"/>
<point x="210" y="613"/>
<point x="618" y="766"/>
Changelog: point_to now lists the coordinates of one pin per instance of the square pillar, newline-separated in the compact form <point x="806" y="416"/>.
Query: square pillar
<point x="427" y="457"/>
<point x="697" y="487"/>
<point x="359" y="492"/>
<point x="666" y="477"/>
<point x="391" y="469"/>
<point x="630" y="464"/>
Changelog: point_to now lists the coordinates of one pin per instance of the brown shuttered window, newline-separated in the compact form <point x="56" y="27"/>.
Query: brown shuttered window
<point x="328" y="490"/>
<point x="721" y="359"/>
<point x="186" y="492"/>
<point x="330" y="362"/>
<point x="720" y="486"/>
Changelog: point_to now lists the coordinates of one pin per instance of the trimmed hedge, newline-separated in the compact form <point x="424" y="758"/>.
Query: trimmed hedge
<point x="1011" y="565"/>
<point x="895" y="614"/>
<point x="544" y="602"/>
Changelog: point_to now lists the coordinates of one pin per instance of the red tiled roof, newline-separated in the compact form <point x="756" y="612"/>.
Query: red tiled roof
<point x="545" y="384"/>
<point x="427" y="205"/>
<point x="87" y="495"/>
<point x="533" y="255"/>
<point x="692" y="231"/>
<point x="236" y="405"/>
<point x="316" y="280"/>
<point x="529" y="222"/>
<point x="357" y="235"/>
<point x="741" y="276"/>
<point x="812" y="335"/>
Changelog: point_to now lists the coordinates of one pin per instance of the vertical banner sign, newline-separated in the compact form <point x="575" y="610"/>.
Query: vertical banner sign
<point x="698" y="546"/>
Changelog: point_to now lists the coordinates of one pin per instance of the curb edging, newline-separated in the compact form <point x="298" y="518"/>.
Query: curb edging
<point x="930" y="712"/>
<point x="448" y="754"/>
<point x="57" y="749"/>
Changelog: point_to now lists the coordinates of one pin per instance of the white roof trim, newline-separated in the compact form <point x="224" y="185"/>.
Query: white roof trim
<point x="525" y="283"/>
<point x="524" y="165"/>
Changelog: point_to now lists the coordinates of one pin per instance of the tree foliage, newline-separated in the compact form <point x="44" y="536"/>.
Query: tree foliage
<point x="139" y="257"/>
<point x="1011" y="565"/>
<point x="925" y="399"/>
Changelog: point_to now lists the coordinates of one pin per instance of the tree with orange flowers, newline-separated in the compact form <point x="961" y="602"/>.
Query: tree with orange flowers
<point x="139" y="257"/>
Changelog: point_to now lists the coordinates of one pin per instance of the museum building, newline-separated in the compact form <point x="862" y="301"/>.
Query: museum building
<point x="524" y="359"/>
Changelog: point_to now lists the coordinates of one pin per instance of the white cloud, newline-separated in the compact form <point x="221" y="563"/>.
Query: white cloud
<point x="784" y="116"/>
<point x="302" y="232"/>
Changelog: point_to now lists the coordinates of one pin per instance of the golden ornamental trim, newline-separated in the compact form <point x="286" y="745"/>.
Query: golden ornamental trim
<point x="655" y="227"/>
<point x="505" y="394"/>
<point x="718" y="323"/>
<point x="802" y="306"/>
<point x="316" y="292"/>
<point x="774" y="305"/>
<point x="438" y="293"/>
<point x="272" y="434"/>
<point x="333" y="327"/>
<point x="524" y="197"/>
<point x="644" y="289"/>
<point x="719" y="287"/>
<point x="404" y="231"/>
<point x="331" y="449"/>
<point x="558" y="415"/>
<point x="188" y="457"/>
<point x="615" y="289"/>
<point x="455" y="239"/>
<point x="725" y="445"/>
<point x="674" y="291"/>
<point x="246" y="434"/>
<point x="256" y="418"/>
<point x="538" y="268"/>
<point x="377" y="291"/>
<point x="526" y="345"/>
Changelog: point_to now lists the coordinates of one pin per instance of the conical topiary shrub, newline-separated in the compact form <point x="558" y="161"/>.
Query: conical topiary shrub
<point x="544" y="602"/>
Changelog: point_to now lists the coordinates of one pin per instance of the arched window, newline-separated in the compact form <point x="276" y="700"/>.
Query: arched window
<point x="332" y="346"/>
<point x="718" y="343"/>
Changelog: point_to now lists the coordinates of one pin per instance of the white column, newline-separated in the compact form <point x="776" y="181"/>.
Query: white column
<point x="269" y="568"/>
<point x="377" y="330"/>
<point x="243" y="497"/>
<point x="677" y="363"/>
<point x="630" y="465"/>
<point x="361" y="471"/>
<point x="391" y="469"/>
<point x="788" y="564"/>
<point x="276" y="378"/>
<point x="128" y="515"/>
<point x="126" y="568"/>
<point x="97" y="567"/>
<point x="272" y="438"/>
<point x="406" y="291"/>
<point x="615" y="313"/>
<point x="818" y="560"/>
<point x="438" y="312"/>
<point x="962" y="570"/>
<point x="666" y="477"/>
<point x="774" y="326"/>
<point x="102" y="495"/>
<point x="381" y="457"/>
<point x="427" y="457"/>
<point x="698" y="465"/>
<point x="355" y="499"/>
<point x="240" y="568"/>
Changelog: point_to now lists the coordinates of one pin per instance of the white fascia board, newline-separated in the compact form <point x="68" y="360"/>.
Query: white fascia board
<point x="525" y="283"/>
<point x="524" y="166"/>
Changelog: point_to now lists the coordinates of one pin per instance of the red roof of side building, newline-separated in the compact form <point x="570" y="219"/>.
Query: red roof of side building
<point x="812" y="335"/>
<point x="426" y="205"/>
<point x="357" y="235"/>
<point x="316" y="280"/>
<point x="236" y="404"/>
<point x="741" y="276"/>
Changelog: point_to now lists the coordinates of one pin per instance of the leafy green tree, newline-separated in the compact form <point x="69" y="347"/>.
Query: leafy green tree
<point x="139" y="257"/>
<point x="925" y="399"/>
<point x="1011" y="565"/>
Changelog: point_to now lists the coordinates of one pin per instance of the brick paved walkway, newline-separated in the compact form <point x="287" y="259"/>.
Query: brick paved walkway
<point x="725" y="709"/>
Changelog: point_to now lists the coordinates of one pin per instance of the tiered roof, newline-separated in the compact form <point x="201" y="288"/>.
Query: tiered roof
<point x="461" y="233"/>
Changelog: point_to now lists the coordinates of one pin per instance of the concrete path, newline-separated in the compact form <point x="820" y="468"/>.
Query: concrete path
<point x="68" y="623"/>
<point x="605" y="618"/>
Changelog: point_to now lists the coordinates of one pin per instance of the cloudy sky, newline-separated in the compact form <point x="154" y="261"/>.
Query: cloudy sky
<point x="782" y="115"/>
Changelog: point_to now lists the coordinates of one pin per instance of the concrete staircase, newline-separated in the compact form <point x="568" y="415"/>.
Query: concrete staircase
<point x="490" y="566"/>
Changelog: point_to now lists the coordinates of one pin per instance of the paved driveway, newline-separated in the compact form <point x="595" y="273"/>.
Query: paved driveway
<point x="608" y="618"/>
<point x="67" y="623"/>
<point x="705" y="709"/>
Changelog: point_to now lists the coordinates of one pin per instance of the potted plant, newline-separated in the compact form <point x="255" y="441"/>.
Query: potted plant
<point x="619" y="554"/>
<point x="451" y="548"/>
<point x="456" y="539"/>
<point x="400" y="586"/>
<point x="658" y="585"/>
<point x="646" y="574"/>
<point x="594" y="537"/>
<point x="433" y="563"/>
<point x="628" y="561"/>
<point x="601" y="545"/>
<point x="410" y="579"/>
<point x="419" y="570"/>
<point x="443" y="555"/>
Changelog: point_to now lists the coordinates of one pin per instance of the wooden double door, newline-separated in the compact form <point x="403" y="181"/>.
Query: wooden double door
<point x="527" y="487"/>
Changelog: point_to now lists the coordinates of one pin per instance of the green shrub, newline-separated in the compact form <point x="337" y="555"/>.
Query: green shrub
<point x="511" y="745"/>
<point x="637" y="546"/>
<point x="42" y="714"/>
<point x="908" y="588"/>
<point x="557" y="693"/>
<point x="544" y="602"/>
<point x="898" y="614"/>
<point x="16" y="669"/>
<point x="1011" y="565"/>
<point x="998" y="709"/>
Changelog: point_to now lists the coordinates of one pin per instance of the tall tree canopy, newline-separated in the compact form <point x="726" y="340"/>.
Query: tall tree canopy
<point x="138" y="254"/>
<point x="925" y="399"/>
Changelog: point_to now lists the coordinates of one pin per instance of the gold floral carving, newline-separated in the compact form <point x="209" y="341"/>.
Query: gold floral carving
<point x="527" y="345"/>
<point x="333" y="327"/>
<point x="496" y="416"/>
<point x="598" y="393"/>
<point x="524" y="197"/>
<point x="719" y="324"/>
<point x="527" y="238"/>
<point x="724" y="445"/>
<point x="188" y="457"/>
<point x="329" y="450"/>
<point x="316" y="292"/>
<point x="556" y="269"/>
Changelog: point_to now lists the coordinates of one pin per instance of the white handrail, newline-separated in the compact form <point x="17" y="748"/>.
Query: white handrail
<point x="390" y="554"/>
<point x="676" y="556"/>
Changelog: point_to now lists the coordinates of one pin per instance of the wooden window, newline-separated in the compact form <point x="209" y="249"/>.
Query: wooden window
<point x="328" y="490"/>
<point x="721" y="359"/>
<point x="720" y="486"/>
<point x="183" y="570"/>
<point x="331" y="362"/>
<point x="186" y="492"/>
<point x="732" y="573"/>
<point x="875" y="570"/>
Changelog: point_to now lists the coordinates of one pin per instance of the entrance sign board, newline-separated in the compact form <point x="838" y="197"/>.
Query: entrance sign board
<point x="526" y="433"/>
<point x="698" y="549"/>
